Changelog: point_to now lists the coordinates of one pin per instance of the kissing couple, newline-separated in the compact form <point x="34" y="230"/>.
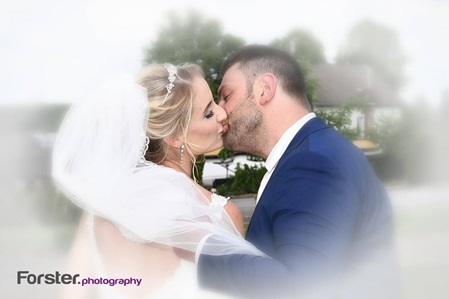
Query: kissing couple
<point x="322" y="226"/>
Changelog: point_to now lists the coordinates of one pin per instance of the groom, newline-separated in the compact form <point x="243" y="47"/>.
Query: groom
<point x="322" y="215"/>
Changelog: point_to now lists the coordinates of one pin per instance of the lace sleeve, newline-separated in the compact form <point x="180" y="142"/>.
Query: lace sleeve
<point x="218" y="200"/>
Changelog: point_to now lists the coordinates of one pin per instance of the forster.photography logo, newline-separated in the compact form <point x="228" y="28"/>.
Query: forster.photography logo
<point x="25" y="277"/>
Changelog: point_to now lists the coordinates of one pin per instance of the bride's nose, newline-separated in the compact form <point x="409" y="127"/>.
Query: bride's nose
<point x="222" y="116"/>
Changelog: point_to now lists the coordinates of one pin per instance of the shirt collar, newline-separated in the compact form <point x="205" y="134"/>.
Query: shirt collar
<point x="280" y="147"/>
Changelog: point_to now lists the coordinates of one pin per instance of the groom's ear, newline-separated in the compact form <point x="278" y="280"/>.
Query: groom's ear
<point x="266" y="88"/>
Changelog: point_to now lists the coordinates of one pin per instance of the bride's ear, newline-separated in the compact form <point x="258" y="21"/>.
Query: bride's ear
<point x="173" y="141"/>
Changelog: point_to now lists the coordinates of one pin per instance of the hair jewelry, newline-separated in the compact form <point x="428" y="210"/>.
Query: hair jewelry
<point x="172" y="72"/>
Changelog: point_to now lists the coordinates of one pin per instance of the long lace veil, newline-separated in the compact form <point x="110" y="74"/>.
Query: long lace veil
<point x="96" y="165"/>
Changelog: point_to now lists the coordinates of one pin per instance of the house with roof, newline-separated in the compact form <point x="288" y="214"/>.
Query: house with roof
<point x="337" y="83"/>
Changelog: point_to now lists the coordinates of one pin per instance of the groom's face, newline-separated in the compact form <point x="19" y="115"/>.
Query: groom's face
<point x="244" y="117"/>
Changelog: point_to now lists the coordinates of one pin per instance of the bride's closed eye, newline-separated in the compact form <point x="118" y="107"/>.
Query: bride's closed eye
<point x="209" y="114"/>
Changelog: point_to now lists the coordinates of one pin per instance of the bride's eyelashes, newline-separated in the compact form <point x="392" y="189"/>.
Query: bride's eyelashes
<point x="209" y="114"/>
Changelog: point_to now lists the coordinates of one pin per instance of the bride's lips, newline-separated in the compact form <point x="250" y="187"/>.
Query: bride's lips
<point x="225" y="129"/>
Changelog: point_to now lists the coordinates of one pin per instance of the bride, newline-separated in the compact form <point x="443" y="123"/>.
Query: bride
<point x="126" y="156"/>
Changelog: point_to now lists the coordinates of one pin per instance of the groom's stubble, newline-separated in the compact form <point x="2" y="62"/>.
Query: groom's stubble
<point x="246" y="129"/>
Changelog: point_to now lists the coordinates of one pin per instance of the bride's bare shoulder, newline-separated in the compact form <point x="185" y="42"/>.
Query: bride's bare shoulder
<point x="124" y="257"/>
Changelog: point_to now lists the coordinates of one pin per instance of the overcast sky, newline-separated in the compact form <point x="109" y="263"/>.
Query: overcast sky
<point x="56" y="50"/>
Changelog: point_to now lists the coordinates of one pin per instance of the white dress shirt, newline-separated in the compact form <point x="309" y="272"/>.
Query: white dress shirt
<point x="279" y="149"/>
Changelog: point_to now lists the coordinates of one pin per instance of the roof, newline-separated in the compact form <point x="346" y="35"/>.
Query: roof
<point x="338" y="82"/>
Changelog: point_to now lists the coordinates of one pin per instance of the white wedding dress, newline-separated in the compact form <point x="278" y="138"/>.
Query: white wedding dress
<point x="182" y="284"/>
<point x="98" y="164"/>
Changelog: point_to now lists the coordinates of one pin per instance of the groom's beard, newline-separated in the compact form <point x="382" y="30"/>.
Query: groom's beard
<point x="246" y="129"/>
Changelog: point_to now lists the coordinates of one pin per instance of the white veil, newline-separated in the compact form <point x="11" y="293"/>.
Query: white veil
<point x="96" y="165"/>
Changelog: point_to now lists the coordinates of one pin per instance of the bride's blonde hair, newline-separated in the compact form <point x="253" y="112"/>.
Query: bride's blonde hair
<point x="170" y="113"/>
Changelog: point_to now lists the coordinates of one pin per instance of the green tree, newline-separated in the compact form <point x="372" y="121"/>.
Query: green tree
<point x="196" y="39"/>
<point x="340" y="118"/>
<point x="302" y="45"/>
<point x="378" y="46"/>
<point x="307" y="50"/>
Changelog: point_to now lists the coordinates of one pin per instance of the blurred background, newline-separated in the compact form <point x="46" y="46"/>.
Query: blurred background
<point x="376" y="71"/>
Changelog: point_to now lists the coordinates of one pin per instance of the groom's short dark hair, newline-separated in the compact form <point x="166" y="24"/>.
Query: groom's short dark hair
<point x="255" y="60"/>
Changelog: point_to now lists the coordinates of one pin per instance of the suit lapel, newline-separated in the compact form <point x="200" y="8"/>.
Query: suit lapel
<point x="314" y="125"/>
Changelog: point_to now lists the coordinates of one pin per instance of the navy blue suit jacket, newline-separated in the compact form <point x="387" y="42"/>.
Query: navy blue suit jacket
<point x="323" y="211"/>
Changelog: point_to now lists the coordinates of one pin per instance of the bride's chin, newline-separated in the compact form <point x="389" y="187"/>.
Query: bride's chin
<point x="209" y="149"/>
<point x="214" y="148"/>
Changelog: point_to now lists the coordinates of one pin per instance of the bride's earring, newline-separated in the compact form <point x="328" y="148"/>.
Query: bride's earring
<point x="182" y="155"/>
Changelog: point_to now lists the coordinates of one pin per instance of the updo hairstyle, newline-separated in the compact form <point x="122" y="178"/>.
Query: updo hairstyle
<point x="168" y="116"/>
